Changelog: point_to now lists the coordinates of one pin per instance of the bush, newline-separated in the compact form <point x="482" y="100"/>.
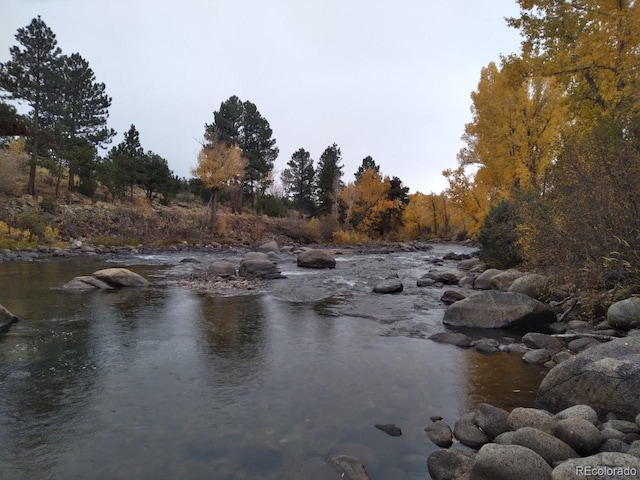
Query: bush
<point x="34" y="221"/>
<point x="341" y="237"/>
<point x="498" y="237"/>
<point x="49" y="205"/>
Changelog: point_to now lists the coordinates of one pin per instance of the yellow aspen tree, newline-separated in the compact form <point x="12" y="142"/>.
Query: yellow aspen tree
<point x="220" y="166"/>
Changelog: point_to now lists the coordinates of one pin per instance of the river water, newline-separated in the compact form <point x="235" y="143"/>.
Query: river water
<point x="165" y="383"/>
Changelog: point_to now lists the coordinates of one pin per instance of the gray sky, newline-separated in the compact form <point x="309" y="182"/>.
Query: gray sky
<point x="391" y="79"/>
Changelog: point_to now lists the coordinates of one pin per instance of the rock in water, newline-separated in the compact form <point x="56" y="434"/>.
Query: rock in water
<point x="6" y="319"/>
<point x="494" y="309"/>
<point x="121" y="277"/>
<point x="450" y="464"/>
<point x="389" y="429"/>
<point x="316" y="259"/>
<point x="350" y="467"/>
<point x="393" y="285"/>
<point x="605" y="377"/>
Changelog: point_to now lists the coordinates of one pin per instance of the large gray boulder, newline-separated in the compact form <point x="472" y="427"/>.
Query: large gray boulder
<point x="625" y="314"/>
<point x="271" y="246"/>
<point x="392" y="285"/>
<point x="6" y="319"/>
<point x="494" y="309"/>
<point x="492" y="420"/>
<point x="121" y="277"/>
<point x="530" y="417"/>
<point x="469" y="433"/>
<point x="621" y="463"/>
<point x="261" y="269"/>
<point x="580" y="434"/>
<point x="605" y="377"/>
<point x="508" y="462"/>
<point x="502" y="281"/>
<point x="439" y="432"/>
<point x="533" y="285"/>
<point x="550" y="448"/>
<point x="578" y="411"/>
<point x="222" y="268"/>
<point x="483" y="281"/>
<point x="86" y="282"/>
<point x="450" y="464"/>
<point x="541" y="340"/>
<point x="316" y="259"/>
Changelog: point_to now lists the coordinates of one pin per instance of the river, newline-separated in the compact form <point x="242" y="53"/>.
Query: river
<point x="165" y="383"/>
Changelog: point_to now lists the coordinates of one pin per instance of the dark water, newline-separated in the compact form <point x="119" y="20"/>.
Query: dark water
<point x="163" y="383"/>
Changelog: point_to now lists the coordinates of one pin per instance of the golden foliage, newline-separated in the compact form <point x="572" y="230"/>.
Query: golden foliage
<point x="341" y="237"/>
<point x="220" y="165"/>
<point x="428" y="215"/>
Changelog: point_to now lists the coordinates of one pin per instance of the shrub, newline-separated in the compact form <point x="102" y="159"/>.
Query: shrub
<point x="49" y="205"/>
<point x="498" y="237"/>
<point x="34" y="221"/>
<point x="348" y="238"/>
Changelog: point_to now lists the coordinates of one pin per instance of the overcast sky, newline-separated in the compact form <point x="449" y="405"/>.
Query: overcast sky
<point x="391" y="79"/>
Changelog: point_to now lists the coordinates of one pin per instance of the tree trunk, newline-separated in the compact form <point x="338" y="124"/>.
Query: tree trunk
<point x="213" y="209"/>
<point x="72" y="177"/>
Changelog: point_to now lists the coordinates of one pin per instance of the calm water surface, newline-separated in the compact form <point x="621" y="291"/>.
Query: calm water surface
<point x="164" y="383"/>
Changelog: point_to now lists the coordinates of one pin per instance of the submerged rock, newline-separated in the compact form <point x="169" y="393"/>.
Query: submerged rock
<point x="86" y="282"/>
<point x="349" y="467"/>
<point x="389" y="429"/>
<point x="457" y="339"/>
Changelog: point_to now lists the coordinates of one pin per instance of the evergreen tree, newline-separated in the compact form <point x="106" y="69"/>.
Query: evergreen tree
<point x="79" y="113"/>
<point x="241" y="123"/>
<point x="298" y="180"/>
<point x="328" y="180"/>
<point x="155" y="176"/>
<point x="27" y="76"/>
<point x="367" y="163"/>
<point x="123" y="166"/>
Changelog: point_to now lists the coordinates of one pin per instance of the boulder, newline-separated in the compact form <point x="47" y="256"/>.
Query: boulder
<point x="621" y="463"/>
<point x="392" y="285"/>
<point x="262" y="269"/>
<point x="492" y="420"/>
<point x="539" y="356"/>
<point x="86" y="282"/>
<point x="580" y="344"/>
<point x="541" y="340"/>
<point x="349" y="467"/>
<point x="450" y="464"/>
<point x="578" y="411"/>
<point x="635" y="449"/>
<point x="625" y="314"/>
<point x="494" y="309"/>
<point x="606" y="377"/>
<point x="425" y="282"/>
<point x="467" y="281"/>
<point x="223" y="269"/>
<point x="440" y="433"/>
<point x="579" y="434"/>
<point x="483" y="281"/>
<point x="6" y="319"/>
<point x="503" y="280"/>
<point x="614" y="445"/>
<point x="469" y="433"/>
<point x="121" y="277"/>
<point x="271" y="246"/>
<point x="389" y="429"/>
<point x="457" y="339"/>
<point x="508" y="462"/>
<point x="452" y="296"/>
<point x="445" y="277"/>
<point x="530" y="417"/>
<point x="258" y="256"/>
<point x="533" y="285"/>
<point x="469" y="263"/>
<point x="316" y="259"/>
<point x="550" y="448"/>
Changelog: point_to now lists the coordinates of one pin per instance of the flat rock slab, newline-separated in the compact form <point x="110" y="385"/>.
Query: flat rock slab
<point x="121" y="277"/>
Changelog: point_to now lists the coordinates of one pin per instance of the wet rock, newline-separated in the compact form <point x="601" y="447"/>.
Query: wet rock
<point x="541" y="340"/>
<point x="625" y="314"/>
<point x="578" y="411"/>
<point x="547" y="446"/>
<point x="539" y="356"/>
<point x="271" y="246"/>
<point x="444" y="277"/>
<point x="389" y="429"/>
<point x="6" y="319"/>
<point x="502" y="281"/>
<point x="223" y="269"/>
<point x="313" y="469"/>
<point x="562" y="357"/>
<point x="533" y="285"/>
<point x="350" y="467"/>
<point x="425" y="282"/>
<point x="605" y="376"/>
<point x="567" y="470"/>
<point x="262" y="269"/>
<point x="466" y="281"/>
<point x="483" y="281"/>
<point x="469" y="433"/>
<point x="450" y="464"/>
<point x="121" y="277"/>
<point x="579" y="434"/>
<point x="452" y="296"/>
<point x="457" y="339"/>
<point x="530" y="417"/>
<point x="492" y="420"/>
<point x="393" y="285"/>
<point x="508" y="462"/>
<point x="487" y="345"/>
<point x="86" y="282"/>
<point x="469" y="263"/>
<point x="440" y="433"/>
<point x="316" y="259"/>
<point x="580" y="344"/>
<point x="493" y="309"/>
<point x="455" y="256"/>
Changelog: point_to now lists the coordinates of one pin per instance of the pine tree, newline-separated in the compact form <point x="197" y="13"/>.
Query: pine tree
<point x="123" y="166"/>
<point x="367" y="163"/>
<point x="298" y="180"/>
<point x="27" y="77"/>
<point x="328" y="180"/>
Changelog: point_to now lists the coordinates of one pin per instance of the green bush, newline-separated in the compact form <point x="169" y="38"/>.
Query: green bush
<point x="34" y="221"/>
<point x="498" y="237"/>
